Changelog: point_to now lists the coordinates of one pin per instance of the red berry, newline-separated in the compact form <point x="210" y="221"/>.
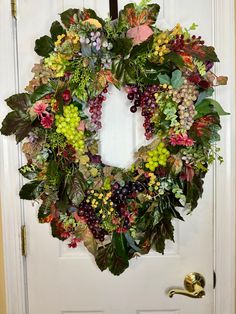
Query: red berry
<point x="66" y="95"/>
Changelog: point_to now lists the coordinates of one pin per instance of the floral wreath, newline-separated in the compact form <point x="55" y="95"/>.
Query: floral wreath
<point x="117" y="213"/>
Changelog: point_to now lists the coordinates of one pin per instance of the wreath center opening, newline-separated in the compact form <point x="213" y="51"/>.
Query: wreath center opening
<point x="117" y="136"/>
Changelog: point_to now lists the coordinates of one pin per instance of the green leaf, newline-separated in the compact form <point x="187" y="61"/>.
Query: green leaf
<point x="29" y="171"/>
<point x="76" y="187"/>
<point x="67" y="16"/>
<point x="153" y="12"/>
<point x="194" y="191"/>
<point x="175" y="58"/>
<point x="207" y="106"/>
<point x="163" y="231"/>
<point x="120" y="260"/>
<point x="92" y="14"/>
<point x="123" y="71"/>
<point x="16" y="123"/>
<point x="53" y="173"/>
<point x="41" y="92"/>
<point x="164" y="79"/>
<point x="206" y="93"/>
<point x="114" y="256"/>
<point x="122" y="46"/>
<point x="177" y="79"/>
<point x="210" y="54"/>
<point x="31" y="190"/>
<point x="19" y="102"/>
<point x="56" y="29"/>
<point x="43" y="46"/>
<point x="103" y="256"/>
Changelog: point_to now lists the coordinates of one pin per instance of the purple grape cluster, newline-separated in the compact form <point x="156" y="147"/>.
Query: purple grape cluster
<point x="87" y="212"/>
<point x="146" y="101"/>
<point x="121" y="193"/>
<point x="95" y="108"/>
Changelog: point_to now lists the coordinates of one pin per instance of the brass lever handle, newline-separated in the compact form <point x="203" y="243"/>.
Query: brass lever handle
<point x="194" y="284"/>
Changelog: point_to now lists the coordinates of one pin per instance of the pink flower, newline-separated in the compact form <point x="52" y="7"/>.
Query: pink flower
<point x="181" y="140"/>
<point x="40" y="107"/>
<point x="139" y="33"/>
<point x="47" y="121"/>
<point x="81" y="126"/>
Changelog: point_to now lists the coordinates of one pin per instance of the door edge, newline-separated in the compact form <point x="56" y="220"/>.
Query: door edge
<point x="224" y="216"/>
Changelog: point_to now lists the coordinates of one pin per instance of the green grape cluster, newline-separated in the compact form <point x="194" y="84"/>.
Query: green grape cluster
<point x="157" y="157"/>
<point x="67" y="124"/>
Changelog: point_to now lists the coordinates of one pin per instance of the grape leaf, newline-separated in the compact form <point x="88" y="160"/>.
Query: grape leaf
<point x="175" y="58"/>
<point x="163" y="231"/>
<point x="56" y="29"/>
<point x="122" y="46"/>
<point x="19" y="102"/>
<point x="67" y="16"/>
<point x="207" y="106"/>
<point x="18" y="121"/>
<point x="103" y="256"/>
<point x="164" y="79"/>
<point x="41" y="92"/>
<point x="177" y="79"/>
<point x="114" y="256"/>
<point x="194" y="191"/>
<point x="31" y="190"/>
<point x="43" y="46"/>
<point x="92" y="14"/>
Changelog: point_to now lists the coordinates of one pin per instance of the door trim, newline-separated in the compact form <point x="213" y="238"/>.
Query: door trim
<point x="224" y="221"/>
<point x="14" y="263"/>
<point x="224" y="218"/>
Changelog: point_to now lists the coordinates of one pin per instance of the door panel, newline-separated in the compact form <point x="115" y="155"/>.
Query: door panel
<point x="62" y="280"/>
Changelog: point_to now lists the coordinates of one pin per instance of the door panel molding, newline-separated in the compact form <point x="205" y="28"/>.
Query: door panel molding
<point x="224" y="249"/>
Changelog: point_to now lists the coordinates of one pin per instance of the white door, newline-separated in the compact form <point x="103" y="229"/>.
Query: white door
<point x="62" y="280"/>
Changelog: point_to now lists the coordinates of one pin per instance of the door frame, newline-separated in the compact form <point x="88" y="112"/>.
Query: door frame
<point x="224" y="220"/>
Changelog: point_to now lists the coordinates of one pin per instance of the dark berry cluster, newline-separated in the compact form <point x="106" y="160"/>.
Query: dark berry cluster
<point x="129" y="191"/>
<point x="146" y="100"/>
<point x="87" y="212"/>
<point x="178" y="43"/>
<point x="95" y="108"/>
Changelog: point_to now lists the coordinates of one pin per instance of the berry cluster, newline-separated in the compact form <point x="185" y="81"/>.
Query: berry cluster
<point x="178" y="43"/>
<point x="129" y="191"/>
<point x="146" y="100"/>
<point x="185" y="98"/>
<point x="87" y="212"/>
<point x="95" y="108"/>
<point x="157" y="157"/>
<point x="160" y="46"/>
<point x="67" y="125"/>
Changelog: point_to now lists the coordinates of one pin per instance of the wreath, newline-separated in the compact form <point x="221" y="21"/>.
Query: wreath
<point x="167" y="75"/>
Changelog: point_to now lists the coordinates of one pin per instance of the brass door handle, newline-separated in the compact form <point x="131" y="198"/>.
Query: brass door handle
<point x="194" y="284"/>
